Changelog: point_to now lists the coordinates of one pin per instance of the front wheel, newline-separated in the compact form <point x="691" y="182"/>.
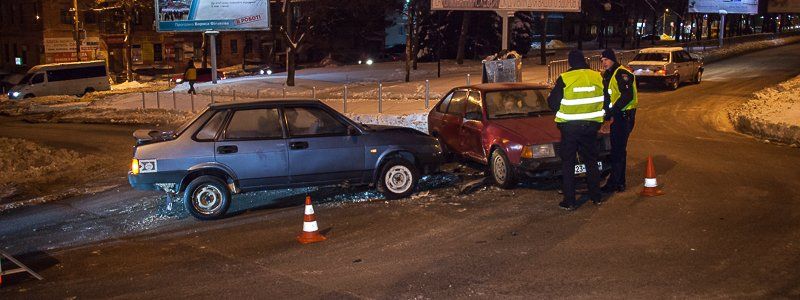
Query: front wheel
<point x="698" y="77"/>
<point x="207" y="198"/>
<point x="397" y="179"/>
<point x="502" y="170"/>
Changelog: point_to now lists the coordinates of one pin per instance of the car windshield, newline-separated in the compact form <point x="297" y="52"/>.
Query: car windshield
<point x="516" y="103"/>
<point x="26" y="79"/>
<point x="652" y="57"/>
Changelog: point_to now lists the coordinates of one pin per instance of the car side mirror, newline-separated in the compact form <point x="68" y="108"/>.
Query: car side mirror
<point x="473" y="116"/>
<point x="352" y="130"/>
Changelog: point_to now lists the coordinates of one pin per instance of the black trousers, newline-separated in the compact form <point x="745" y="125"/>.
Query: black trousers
<point x="191" y="88"/>
<point x="620" y="131"/>
<point x="579" y="138"/>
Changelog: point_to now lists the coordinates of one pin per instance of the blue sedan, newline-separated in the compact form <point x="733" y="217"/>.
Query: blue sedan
<point x="250" y="146"/>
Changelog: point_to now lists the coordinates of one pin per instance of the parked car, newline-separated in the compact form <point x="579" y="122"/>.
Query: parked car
<point x="203" y="75"/>
<point x="249" y="146"/>
<point x="508" y="127"/>
<point x="668" y="65"/>
<point x="76" y="78"/>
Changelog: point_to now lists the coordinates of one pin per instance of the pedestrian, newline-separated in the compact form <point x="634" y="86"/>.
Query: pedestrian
<point x="621" y="99"/>
<point x="578" y="100"/>
<point x="190" y="75"/>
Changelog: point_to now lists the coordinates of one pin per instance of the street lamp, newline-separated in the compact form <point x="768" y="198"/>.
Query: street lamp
<point x="664" y="21"/>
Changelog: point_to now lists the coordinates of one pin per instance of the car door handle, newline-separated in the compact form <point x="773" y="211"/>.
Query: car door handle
<point x="298" y="145"/>
<point x="227" y="149"/>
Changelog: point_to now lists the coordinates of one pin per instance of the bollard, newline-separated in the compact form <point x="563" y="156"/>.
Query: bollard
<point x="192" y="102"/>
<point x="380" y="97"/>
<point x="258" y="93"/>
<point x="284" y="92"/>
<point x="158" y="100"/>
<point x="314" y="92"/>
<point x="174" y="102"/>
<point x="344" y="98"/>
<point x="234" y="95"/>
<point x="212" y="96"/>
<point x="427" y="93"/>
<point x="467" y="79"/>
<point x="143" y="103"/>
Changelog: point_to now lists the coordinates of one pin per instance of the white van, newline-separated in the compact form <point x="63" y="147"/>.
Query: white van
<point x="76" y="78"/>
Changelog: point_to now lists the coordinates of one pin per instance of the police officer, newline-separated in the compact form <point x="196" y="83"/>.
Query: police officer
<point x="578" y="99"/>
<point x="621" y="100"/>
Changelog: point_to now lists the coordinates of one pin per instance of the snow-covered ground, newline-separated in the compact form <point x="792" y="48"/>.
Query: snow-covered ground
<point x="716" y="54"/>
<point x="773" y="113"/>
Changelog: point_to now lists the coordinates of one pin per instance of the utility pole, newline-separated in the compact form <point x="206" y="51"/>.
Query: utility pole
<point x="77" y="30"/>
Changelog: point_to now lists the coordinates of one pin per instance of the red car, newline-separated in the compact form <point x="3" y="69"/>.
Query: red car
<point x="507" y="126"/>
<point x="203" y="75"/>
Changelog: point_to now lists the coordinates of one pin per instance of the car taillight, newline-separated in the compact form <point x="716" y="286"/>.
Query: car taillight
<point x="135" y="167"/>
<point x="661" y="72"/>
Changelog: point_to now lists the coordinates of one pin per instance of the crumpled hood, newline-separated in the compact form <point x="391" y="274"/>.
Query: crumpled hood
<point x="533" y="130"/>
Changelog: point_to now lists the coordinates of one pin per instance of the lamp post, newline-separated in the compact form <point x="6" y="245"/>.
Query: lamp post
<point x="77" y="29"/>
<point x="664" y="21"/>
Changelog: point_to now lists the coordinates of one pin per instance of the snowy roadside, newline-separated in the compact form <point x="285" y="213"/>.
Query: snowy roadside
<point x="773" y="114"/>
<point x="718" y="54"/>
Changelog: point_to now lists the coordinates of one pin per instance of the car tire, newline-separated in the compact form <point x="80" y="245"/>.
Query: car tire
<point x="28" y="96"/>
<point x="207" y="198"/>
<point x="698" y="77"/>
<point x="398" y="179"/>
<point x="674" y="83"/>
<point x="446" y="154"/>
<point x="86" y="91"/>
<point x="501" y="170"/>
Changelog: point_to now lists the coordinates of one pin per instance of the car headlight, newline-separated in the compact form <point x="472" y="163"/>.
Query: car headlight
<point x="538" y="151"/>
<point x="179" y="80"/>
<point x="14" y="94"/>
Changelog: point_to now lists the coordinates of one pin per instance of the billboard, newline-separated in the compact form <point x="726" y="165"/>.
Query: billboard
<point x="206" y="15"/>
<point x="783" y="6"/>
<point x="60" y="50"/>
<point x="509" y="5"/>
<point x="749" y="7"/>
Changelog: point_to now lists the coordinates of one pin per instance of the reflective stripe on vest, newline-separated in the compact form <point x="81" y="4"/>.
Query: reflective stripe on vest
<point x="583" y="97"/>
<point x="614" y="93"/>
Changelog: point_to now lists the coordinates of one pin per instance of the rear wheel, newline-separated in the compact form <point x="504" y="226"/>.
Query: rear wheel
<point x="86" y="91"/>
<point x="397" y="179"/>
<point x="502" y="171"/>
<point x="207" y="198"/>
<point x="674" y="82"/>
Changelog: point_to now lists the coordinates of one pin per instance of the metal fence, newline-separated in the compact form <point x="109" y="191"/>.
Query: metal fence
<point x="556" y="67"/>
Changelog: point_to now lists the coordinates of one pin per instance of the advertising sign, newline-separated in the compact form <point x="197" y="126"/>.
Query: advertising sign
<point x="509" y="5"/>
<point x="60" y="50"/>
<point x="749" y="7"/>
<point x="208" y="15"/>
<point x="783" y="6"/>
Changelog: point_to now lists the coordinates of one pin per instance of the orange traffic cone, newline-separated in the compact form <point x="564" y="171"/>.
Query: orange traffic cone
<point x="310" y="232"/>
<point x="650" y="184"/>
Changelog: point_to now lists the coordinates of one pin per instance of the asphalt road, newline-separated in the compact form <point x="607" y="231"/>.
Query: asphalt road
<point x="728" y="227"/>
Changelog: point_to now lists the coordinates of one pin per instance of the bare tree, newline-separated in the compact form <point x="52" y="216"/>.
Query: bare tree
<point x="462" y="37"/>
<point x="128" y="10"/>
<point x="294" y="33"/>
<point x="409" y="37"/>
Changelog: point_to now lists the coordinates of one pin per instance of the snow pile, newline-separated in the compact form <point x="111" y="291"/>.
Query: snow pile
<point x="129" y="85"/>
<point x="773" y="114"/>
<point x="418" y="121"/>
<point x="113" y="116"/>
<point x="26" y="164"/>
<point x="553" y="44"/>
<point x="726" y="52"/>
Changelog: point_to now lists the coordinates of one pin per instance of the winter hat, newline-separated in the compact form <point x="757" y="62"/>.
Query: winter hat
<point x="609" y="54"/>
<point x="576" y="59"/>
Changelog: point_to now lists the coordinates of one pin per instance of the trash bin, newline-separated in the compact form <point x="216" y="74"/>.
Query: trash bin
<point x="502" y="67"/>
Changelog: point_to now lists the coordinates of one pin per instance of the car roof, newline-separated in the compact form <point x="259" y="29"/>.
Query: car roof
<point x="504" y="86"/>
<point x="260" y="102"/>
<point x="660" y="49"/>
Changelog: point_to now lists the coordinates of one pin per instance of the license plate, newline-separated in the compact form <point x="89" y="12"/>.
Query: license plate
<point x="643" y="72"/>
<point x="148" y="166"/>
<point x="581" y="169"/>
